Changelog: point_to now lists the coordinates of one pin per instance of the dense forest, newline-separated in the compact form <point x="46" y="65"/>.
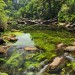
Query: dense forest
<point x="63" y="10"/>
<point x="37" y="37"/>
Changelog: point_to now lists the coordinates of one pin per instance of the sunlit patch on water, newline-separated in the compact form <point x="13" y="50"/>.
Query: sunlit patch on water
<point x="24" y="40"/>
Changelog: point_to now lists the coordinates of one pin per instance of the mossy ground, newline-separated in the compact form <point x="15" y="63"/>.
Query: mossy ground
<point x="46" y="41"/>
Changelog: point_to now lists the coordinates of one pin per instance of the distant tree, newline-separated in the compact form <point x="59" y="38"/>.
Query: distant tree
<point x="67" y="12"/>
<point x="41" y="9"/>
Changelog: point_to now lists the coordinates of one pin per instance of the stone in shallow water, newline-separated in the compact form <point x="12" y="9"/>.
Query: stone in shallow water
<point x="30" y="49"/>
<point x="70" y="48"/>
<point x="12" y="39"/>
<point x="3" y="49"/>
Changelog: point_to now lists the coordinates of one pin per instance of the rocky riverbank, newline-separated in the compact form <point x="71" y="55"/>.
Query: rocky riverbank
<point x="52" y="24"/>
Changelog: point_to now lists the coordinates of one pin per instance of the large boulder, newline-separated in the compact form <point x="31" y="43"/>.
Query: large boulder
<point x="57" y="62"/>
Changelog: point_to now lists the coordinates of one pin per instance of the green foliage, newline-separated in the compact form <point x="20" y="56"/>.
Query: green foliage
<point x="24" y="2"/>
<point x="43" y="9"/>
<point x="67" y="12"/>
<point x="3" y="18"/>
<point x="46" y="40"/>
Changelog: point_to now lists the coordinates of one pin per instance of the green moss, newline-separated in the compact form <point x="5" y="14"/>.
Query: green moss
<point x="47" y="40"/>
<point x="3" y="73"/>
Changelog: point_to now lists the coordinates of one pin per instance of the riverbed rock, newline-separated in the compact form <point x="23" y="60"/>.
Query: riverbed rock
<point x="3" y="49"/>
<point x="70" y="26"/>
<point x="46" y="22"/>
<point x="15" y="30"/>
<point x="2" y="41"/>
<point x="69" y="48"/>
<point x="60" y="46"/>
<point x="12" y="39"/>
<point x="20" y="22"/>
<point x="30" y="49"/>
<point x="57" y="62"/>
<point x="73" y="43"/>
<point x="31" y="22"/>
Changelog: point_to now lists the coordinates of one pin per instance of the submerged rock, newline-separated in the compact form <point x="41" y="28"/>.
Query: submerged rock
<point x="30" y="49"/>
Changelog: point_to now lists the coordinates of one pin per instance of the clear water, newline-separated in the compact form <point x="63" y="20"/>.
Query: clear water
<point x="24" y="40"/>
<point x="19" y="61"/>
